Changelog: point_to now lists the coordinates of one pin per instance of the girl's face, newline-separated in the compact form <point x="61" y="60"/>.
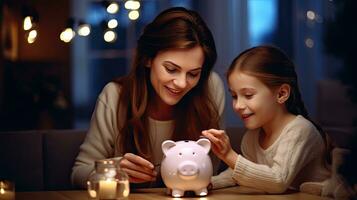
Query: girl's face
<point x="253" y="101"/>
<point x="175" y="72"/>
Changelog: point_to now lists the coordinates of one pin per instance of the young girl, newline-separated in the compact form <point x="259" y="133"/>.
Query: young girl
<point x="282" y="148"/>
<point x="170" y="93"/>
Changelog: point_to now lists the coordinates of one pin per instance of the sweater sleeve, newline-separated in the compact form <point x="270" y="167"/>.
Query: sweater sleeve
<point x="296" y="147"/>
<point x="225" y="179"/>
<point x="99" y="141"/>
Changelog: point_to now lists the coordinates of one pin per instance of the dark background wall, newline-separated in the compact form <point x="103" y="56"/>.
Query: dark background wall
<point x="50" y="84"/>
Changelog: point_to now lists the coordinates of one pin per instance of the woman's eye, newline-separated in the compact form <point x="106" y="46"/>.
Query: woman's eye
<point x="170" y="70"/>
<point x="234" y="96"/>
<point x="193" y="75"/>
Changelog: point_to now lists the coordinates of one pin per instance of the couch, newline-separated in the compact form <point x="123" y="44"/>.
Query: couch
<point x="39" y="160"/>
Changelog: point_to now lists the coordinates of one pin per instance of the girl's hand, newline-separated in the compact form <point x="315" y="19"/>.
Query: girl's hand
<point x="221" y="146"/>
<point x="138" y="169"/>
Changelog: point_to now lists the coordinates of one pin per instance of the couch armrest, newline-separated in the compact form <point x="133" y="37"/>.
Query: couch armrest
<point x="21" y="159"/>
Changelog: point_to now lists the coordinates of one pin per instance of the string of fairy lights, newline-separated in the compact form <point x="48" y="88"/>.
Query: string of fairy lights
<point x="312" y="18"/>
<point x="83" y="29"/>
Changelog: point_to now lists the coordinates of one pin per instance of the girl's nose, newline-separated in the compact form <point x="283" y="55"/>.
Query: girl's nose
<point x="239" y="104"/>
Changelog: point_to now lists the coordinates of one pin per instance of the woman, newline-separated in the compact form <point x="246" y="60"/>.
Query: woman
<point x="170" y="93"/>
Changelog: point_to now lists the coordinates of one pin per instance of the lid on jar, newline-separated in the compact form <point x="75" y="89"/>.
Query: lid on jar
<point x="106" y="163"/>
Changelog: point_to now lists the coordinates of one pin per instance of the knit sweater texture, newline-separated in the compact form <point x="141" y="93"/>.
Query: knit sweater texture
<point x="295" y="157"/>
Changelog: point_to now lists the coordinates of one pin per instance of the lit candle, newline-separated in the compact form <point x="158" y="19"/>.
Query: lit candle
<point x="107" y="189"/>
<point x="6" y="194"/>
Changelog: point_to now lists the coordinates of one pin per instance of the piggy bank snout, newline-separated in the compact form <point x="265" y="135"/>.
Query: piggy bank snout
<point x="188" y="170"/>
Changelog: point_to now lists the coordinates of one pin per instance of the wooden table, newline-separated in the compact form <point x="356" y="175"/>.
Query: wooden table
<point x="232" y="193"/>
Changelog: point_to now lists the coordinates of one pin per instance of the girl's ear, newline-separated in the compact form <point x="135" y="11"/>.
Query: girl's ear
<point x="283" y="93"/>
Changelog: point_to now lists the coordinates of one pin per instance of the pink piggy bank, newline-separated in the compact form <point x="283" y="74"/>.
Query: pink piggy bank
<point x="186" y="166"/>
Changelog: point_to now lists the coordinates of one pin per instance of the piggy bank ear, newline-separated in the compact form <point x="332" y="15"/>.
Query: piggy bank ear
<point x="205" y="143"/>
<point x="166" y="145"/>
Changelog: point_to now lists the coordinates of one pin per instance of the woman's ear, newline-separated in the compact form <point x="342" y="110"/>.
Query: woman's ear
<point x="148" y="63"/>
<point x="283" y="93"/>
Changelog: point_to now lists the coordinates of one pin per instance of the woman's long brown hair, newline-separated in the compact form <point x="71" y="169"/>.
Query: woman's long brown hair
<point x="175" y="28"/>
<point x="273" y="67"/>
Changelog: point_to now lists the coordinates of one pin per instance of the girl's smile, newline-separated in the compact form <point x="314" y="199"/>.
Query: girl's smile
<point x="253" y="101"/>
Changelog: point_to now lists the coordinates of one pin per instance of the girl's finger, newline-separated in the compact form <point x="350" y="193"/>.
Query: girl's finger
<point x="211" y="137"/>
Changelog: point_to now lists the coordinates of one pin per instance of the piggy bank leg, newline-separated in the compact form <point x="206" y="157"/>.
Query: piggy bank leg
<point x="168" y="191"/>
<point x="201" y="192"/>
<point x="177" y="193"/>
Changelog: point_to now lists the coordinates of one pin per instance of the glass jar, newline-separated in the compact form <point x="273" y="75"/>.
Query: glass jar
<point x="7" y="190"/>
<point x="109" y="181"/>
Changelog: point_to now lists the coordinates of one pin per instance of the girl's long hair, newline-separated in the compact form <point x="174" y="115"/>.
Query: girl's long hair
<point x="273" y="67"/>
<point x="175" y="28"/>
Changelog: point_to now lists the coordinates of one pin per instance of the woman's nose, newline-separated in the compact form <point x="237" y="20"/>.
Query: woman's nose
<point x="180" y="81"/>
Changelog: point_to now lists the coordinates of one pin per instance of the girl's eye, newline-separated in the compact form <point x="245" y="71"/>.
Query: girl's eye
<point x="234" y="96"/>
<point x="248" y="96"/>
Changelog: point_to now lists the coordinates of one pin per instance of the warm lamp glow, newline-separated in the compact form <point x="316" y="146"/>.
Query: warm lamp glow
<point x="32" y="36"/>
<point x="113" y="8"/>
<point x="132" y="5"/>
<point x="84" y="30"/>
<point x="113" y="23"/>
<point x="110" y="36"/>
<point x="27" y="23"/>
<point x="67" y="35"/>
<point x="134" y="15"/>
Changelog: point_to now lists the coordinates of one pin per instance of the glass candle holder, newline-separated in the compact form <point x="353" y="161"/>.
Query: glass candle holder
<point x="7" y="190"/>
<point x="109" y="181"/>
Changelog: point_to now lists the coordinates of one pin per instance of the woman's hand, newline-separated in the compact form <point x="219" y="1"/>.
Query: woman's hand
<point x="221" y="146"/>
<point x="138" y="169"/>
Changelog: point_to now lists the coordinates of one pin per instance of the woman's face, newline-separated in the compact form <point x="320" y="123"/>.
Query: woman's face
<point x="175" y="72"/>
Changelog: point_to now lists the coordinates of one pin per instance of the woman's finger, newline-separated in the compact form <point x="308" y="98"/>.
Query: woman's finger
<point x="138" y="160"/>
<point x="136" y="180"/>
<point x="216" y="132"/>
<point x="136" y="175"/>
<point x="124" y="163"/>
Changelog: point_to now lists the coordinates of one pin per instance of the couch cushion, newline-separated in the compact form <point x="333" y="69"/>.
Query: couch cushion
<point x="60" y="150"/>
<point x="334" y="107"/>
<point x="340" y="137"/>
<point x="21" y="159"/>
